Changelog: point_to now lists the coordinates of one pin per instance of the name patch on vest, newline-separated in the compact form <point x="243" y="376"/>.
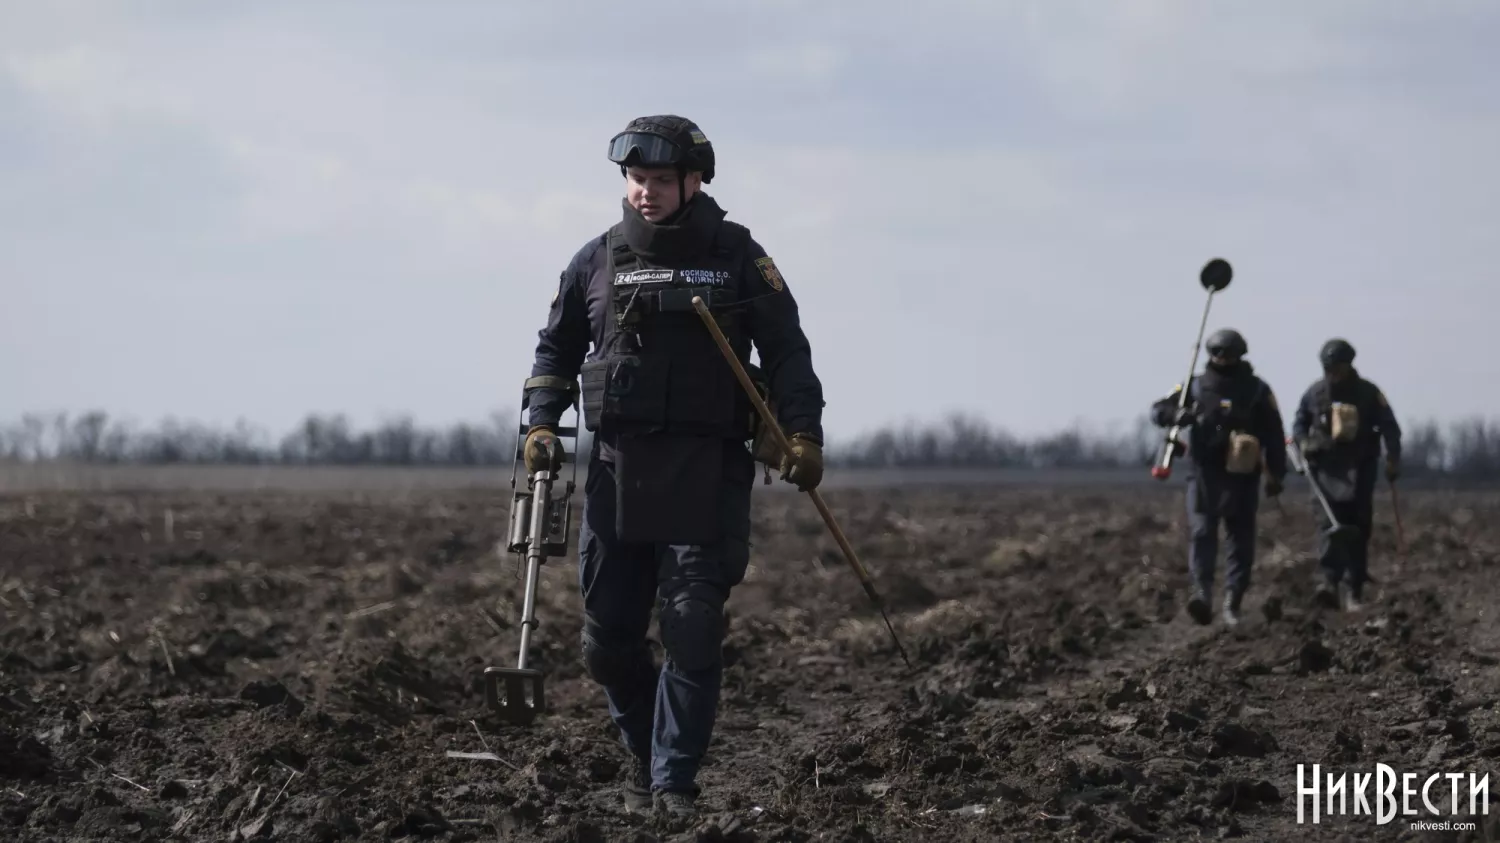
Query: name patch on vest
<point x="705" y="277"/>
<point x="643" y="276"/>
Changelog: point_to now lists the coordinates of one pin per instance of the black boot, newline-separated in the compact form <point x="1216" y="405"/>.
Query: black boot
<point x="1353" y="595"/>
<point x="1327" y="595"/>
<point x="638" y="789"/>
<point x="677" y="804"/>
<point x="1200" y="607"/>
<point x="1232" y="601"/>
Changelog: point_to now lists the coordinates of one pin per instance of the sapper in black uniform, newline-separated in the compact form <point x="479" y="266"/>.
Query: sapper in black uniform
<point x="1339" y="426"/>
<point x="666" y="513"/>
<point x="1235" y="434"/>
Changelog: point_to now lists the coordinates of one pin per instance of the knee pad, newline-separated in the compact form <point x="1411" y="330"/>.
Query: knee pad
<point x="610" y="664"/>
<point x="692" y="626"/>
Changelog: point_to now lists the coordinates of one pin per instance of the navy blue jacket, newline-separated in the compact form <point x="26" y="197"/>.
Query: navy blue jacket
<point x="577" y="320"/>
<point x="1263" y="418"/>
<point x="1377" y="423"/>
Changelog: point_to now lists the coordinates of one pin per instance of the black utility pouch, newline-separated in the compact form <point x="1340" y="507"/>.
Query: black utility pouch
<point x="593" y="376"/>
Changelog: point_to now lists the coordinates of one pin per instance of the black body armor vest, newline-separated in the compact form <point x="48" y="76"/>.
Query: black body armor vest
<point x="1227" y="405"/>
<point x="659" y="369"/>
<point x="1364" y="397"/>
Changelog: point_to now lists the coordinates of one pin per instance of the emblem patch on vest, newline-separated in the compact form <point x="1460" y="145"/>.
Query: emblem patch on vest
<point x="769" y="272"/>
<point x="643" y="276"/>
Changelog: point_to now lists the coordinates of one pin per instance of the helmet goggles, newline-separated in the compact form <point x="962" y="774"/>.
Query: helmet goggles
<point x="641" y="149"/>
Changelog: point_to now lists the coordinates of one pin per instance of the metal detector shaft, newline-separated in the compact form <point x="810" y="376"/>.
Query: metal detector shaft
<point x="1306" y="471"/>
<point x="1165" y="466"/>
<point x="539" y="531"/>
<point x="786" y="448"/>
<point x="1214" y="278"/>
<point x="535" y="555"/>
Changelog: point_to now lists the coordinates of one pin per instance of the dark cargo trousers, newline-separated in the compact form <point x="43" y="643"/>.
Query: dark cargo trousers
<point x="666" y="716"/>
<point x="1204" y="519"/>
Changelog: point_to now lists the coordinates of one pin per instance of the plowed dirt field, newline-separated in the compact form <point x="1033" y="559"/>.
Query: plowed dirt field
<point x="295" y="666"/>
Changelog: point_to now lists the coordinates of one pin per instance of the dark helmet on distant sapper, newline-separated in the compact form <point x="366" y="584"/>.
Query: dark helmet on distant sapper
<point x="1227" y="343"/>
<point x="664" y="140"/>
<point x="1334" y="352"/>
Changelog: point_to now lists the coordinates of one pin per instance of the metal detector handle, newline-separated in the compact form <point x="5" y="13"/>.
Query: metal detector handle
<point x="1294" y="455"/>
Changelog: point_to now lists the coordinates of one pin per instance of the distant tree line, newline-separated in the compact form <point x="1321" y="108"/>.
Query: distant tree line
<point x="1468" y="449"/>
<point x="318" y="440"/>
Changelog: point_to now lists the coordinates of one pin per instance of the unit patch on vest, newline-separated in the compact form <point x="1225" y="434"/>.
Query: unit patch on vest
<point x="769" y="272"/>
<point x="705" y="277"/>
<point x="643" y="276"/>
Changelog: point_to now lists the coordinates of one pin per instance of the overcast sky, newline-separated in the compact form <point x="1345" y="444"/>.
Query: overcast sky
<point x="226" y="210"/>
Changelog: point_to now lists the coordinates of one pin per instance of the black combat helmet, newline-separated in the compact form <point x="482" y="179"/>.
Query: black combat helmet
<point x="1227" y="342"/>
<point x="664" y="140"/>
<point x="1334" y="352"/>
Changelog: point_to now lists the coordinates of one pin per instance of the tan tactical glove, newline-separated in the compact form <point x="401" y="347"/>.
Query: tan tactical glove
<point x="543" y="450"/>
<point x="803" y="468"/>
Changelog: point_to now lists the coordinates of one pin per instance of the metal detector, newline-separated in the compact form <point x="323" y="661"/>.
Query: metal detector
<point x="539" y="522"/>
<point x="1300" y="465"/>
<point x="1214" y="278"/>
